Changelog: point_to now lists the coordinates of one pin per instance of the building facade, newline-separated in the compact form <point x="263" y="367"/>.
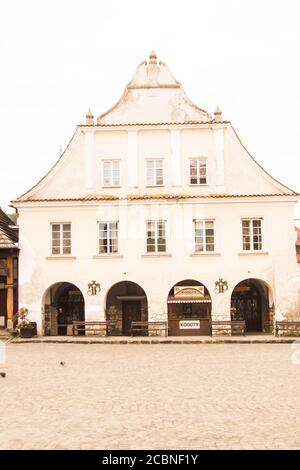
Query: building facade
<point x="160" y="204"/>
<point x="9" y="253"/>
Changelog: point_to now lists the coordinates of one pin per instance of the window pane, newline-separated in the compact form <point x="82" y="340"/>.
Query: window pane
<point x="161" y="246"/>
<point x="103" y="246"/>
<point x="150" y="245"/>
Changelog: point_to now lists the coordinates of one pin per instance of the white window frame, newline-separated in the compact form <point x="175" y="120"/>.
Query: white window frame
<point x="199" y="160"/>
<point x="111" y="184"/>
<point x="252" y="249"/>
<point x="153" y="183"/>
<point x="61" y="238"/>
<point x="156" y="222"/>
<point x="108" y="237"/>
<point x="204" y="222"/>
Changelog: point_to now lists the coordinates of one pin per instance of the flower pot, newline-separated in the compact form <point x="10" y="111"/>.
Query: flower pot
<point x="26" y="332"/>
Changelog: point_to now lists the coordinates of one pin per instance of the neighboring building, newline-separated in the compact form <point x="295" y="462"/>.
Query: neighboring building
<point x="163" y="206"/>
<point x="9" y="253"/>
<point x="298" y="244"/>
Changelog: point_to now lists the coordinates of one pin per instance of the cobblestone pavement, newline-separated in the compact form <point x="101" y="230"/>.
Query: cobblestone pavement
<point x="207" y="396"/>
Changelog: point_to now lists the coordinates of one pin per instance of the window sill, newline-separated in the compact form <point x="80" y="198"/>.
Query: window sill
<point x="258" y="252"/>
<point x="156" y="255"/>
<point x="61" y="257"/>
<point x="198" y="184"/>
<point x="108" y="255"/>
<point x="154" y="185"/>
<point x="107" y="187"/>
<point x="206" y="253"/>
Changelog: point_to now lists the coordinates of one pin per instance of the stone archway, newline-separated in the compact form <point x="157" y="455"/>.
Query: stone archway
<point x="63" y="304"/>
<point x="189" y="309"/>
<point x="250" y="302"/>
<point x="126" y="301"/>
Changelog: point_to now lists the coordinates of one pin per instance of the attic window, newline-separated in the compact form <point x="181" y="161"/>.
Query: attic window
<point x="198" y="171"/>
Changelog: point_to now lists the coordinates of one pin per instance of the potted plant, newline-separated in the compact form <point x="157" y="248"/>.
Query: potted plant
<point x="23" y="324"/>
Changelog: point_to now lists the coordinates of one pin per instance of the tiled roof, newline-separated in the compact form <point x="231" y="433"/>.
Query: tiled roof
<point x="8" y="235"/>
<point x="200" y="196"/>
<point x="163" y="123"/>
<point x="133" y="197"/>
<point x="5" y="241"/>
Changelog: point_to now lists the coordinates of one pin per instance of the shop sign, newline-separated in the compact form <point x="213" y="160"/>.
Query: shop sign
<point x="189" y="324"/>
<point x="189" y="292"/>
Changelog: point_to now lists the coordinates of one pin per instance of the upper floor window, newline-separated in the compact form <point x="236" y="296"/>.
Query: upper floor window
<point x="204" y="236"/>
<point x="156" y="236"/>
<point x="61" y="239"/>
<point x="198" y="171"/>
<point x="252" y="237"/>
<point x="111" y="173"/>
<point x="154" y="172"/>
<point x="108" y="237"/>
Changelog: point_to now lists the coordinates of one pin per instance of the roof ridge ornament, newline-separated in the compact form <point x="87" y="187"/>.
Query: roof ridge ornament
<point x="218" y="115"/>
<point x="152" y="58"/>
<point x="89" y="118"/>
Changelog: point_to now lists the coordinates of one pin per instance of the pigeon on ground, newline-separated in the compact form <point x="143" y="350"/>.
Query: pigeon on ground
<point x="62" y="363"/>
<point x="2" y="374"/>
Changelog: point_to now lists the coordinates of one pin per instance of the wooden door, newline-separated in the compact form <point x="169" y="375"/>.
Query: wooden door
<point x="131" y="312"/>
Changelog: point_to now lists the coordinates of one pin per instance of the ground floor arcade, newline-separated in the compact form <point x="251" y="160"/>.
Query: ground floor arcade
<point x="188" y="309"/>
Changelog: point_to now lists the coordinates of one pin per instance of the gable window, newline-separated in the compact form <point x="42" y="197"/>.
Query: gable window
<point x="198" y="171"/>
<point x="252" y="237"/>
<point x="156" y="236"/>
<point x="61" y="239"/>
<point x="111" y="173"/>
<point x="108" y="237"/>
<point x="154" y="172"/>
<point x="204" y="236"/>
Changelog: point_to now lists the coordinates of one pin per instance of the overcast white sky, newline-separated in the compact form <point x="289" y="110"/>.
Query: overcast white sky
<point x="58" y="58"/>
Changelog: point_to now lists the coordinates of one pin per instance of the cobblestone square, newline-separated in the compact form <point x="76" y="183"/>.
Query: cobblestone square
<point x="168" y="396"/>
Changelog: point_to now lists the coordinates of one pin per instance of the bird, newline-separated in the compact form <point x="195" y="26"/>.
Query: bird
<point x="62" y="363"/>
<point x="3" y="374"/>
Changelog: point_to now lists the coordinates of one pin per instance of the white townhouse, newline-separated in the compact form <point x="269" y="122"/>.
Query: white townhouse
<point x="154" y="212"/>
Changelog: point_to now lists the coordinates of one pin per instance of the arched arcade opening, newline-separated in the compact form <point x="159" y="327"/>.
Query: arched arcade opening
<point x="189" y="309"/>
<point x="250" y="302"/>
<point x="126" y="302"/>
<point x="63" y="304"/>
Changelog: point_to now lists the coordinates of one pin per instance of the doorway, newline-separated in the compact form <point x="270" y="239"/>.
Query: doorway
<point x="131" y="312"/>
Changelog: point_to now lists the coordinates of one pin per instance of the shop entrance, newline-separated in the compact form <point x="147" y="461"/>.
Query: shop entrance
<point x="189" y="309"/>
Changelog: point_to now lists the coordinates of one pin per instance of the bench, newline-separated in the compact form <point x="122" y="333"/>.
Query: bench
<point x="90" y="328"/>
<point x="287" y="328"/>
<point x="237" y="327"/>
<point x="145" y="327"/>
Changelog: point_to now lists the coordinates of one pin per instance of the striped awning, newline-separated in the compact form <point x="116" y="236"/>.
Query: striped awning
<point x="187" y="301"/>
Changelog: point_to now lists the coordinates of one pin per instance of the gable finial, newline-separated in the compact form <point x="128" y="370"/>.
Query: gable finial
<point x="218" y="115"/>
<point x="152" y="58"/>
<point x="89" y="118"/>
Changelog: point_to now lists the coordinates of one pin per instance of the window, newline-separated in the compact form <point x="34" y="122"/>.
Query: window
<point x="154" y="172"/>
<point x="204" y="236"/>
<point x="108" y="237"/>
<point x="198" y="171"/>
<point x="156" y="236"/>
<point x="111" y="173"/>
<point x="252" y="240"/>
<point x="61" y="239"/>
